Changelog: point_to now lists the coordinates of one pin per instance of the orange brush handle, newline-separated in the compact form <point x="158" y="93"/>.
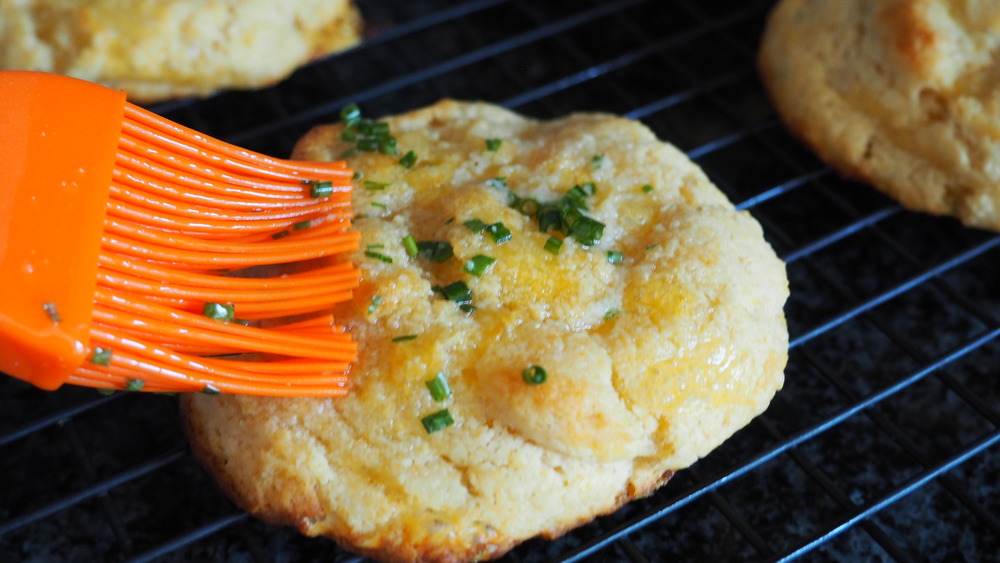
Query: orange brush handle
<point x="56" y="161"/>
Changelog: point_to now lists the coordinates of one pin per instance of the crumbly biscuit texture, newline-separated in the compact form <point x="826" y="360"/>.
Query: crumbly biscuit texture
<point x="173" y="48"/>
<point x="899" y="93"/>
<point x="650" y="362"/>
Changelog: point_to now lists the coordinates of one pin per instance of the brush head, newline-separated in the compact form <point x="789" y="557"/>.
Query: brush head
<point x="139" y="254"/>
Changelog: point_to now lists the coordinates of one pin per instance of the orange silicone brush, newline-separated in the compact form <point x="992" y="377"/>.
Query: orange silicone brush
<point x="138" y="254"/>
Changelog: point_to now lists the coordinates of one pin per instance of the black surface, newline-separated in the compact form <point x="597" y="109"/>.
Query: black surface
<point x="881" y="447"/>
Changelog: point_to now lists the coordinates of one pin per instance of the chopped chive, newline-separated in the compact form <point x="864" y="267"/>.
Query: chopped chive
<point x="458" y="292"/>
<point x="379" y="205"/>
<point x="373" y="186"/>
<point x="493" y="144"/>
<point x="243" y="322"/>
<point x="475" y="225"/>
<point x="376" y="301"/>
<point x="438" y="386"/>
<point x="478" y="264"/>
<point x="357" y="175"/>
<point x="375" y="246"/>
<point x="534" y="375"/>
<point x="615" y="257"/>
<point x="210" y="389"/>
<point x="437" y="421"/>
<point x="500" y="233"/>
<point x="612" y="313"/>
<point x="367" y="144"/>
<point x="589" y="187"/>
<point x="553" y="245"/>
<point x="348" y="152"/>
<point x="219" y="311"/>
<point x="597" y="161"/>
<point x="449" y="220"/>
<point x="320" y="189"/>
<point x="50" y="309"/>
<point x="350" y="114"/>
<point x="348" y="136"/>
<point x="106" y="392"/>
<point x="528" y="206"/>
<point x="388" y="146"/>
<point x="301" y="225"/>
<point x="587" y="231"/>
<point x="134" y="384"/>
<point x="549" y="219"/>
<point x="410" y="245"/>
<point x="650" y="246"/>
<point x="409" y="159"/>
<point x="500" y="183"/>
<point x="101" y="356"/>
<point x="379" y="256"/>
<point x="435" y="250"/>
<point x="647" y="188"/>
<point x="405" y="338"/>
<point x="467" y="308"/>
<point x="280" y="235"/>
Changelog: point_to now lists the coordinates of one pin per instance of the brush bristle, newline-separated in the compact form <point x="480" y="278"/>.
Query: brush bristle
<point x="193" y="221"/>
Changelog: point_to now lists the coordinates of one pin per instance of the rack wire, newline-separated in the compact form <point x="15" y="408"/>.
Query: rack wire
<point x="883" y="445"/>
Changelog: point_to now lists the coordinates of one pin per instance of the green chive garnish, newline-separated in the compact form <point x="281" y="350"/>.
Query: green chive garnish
<point x="375" y="246"/>
<point x="478" y="264"/>
<point x="553" y="245"/>
<point x="597" y="161"/>
<point x="458" y="292"/>
<point x="350" y="114"/>
<point x="219" y="311"/>
<point x="134" y="384"/>
<point x="409" y="159"/>
<point x="280" y="235"/>
<point x="210" y="390"/>
<point x="372" y="186"/>
<point x="467" y="308"/>
<point x="410" y="245"/>
<point x="500" y="233"/>
<point x="387" y="145"/>
<point x="435" y="250"/>
<point x="379" y="256"/>
<point x="615" y="257"/>
<point x="101" y="356"/>
<point x="647" y="188"/>
<point x="437" y="421"/>
<point x="105" y="392"/>
<point x="301" y="225"/>
<point x="320" y="189"/>
<point x="528" y="206"/>
<point x="475" y="225"/>
<point x="376" y="301"/>
<point x="534" y="375"/>
<point x="379" y="205"/>
<point x="587" y="231"/>
<point x="493" y="144"/>
<point x="612" y="313"/>
<point x="438" y="386"/>
<point x="405" y="338"/>
<point x="50" y="309"/>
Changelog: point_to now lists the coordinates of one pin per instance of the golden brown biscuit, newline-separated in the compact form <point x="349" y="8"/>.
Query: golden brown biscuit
<point x="899" y="93"/>
<point x="173" y="48"/>
<point x="651" y="360"/>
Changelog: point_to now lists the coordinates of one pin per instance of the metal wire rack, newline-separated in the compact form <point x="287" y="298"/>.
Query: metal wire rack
<point x="883" y="446"/>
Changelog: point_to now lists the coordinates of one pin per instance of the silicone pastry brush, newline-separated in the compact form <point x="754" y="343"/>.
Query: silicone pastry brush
<point x="138" y="254"/>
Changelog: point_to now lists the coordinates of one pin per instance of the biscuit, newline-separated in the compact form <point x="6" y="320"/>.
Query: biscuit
<point x="898" y="93"/>
<point x="652" y="358"/>
<point x="173" y="48"/>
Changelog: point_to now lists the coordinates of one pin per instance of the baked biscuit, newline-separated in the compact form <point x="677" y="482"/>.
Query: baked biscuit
<point x="899" y="93"/>
<point x="651" y="358"/>
<point x="173" y="48"/>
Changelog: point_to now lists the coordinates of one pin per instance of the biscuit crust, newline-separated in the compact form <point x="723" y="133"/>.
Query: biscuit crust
<point x="898" y="93"/>
<point x="173" y="48"/>
<point x="697" y="347"/>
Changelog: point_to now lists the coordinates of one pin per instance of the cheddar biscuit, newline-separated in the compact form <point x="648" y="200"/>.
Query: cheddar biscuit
<point x="578" y="375"/>
<point x="173" y="48"/>
<point x="899" y="93"/>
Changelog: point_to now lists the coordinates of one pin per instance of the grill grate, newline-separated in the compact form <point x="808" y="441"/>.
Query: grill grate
<point x="882" y="446"/>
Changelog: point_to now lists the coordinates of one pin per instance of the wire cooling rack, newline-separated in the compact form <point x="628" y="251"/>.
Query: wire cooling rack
<point x="882" y="446"/>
